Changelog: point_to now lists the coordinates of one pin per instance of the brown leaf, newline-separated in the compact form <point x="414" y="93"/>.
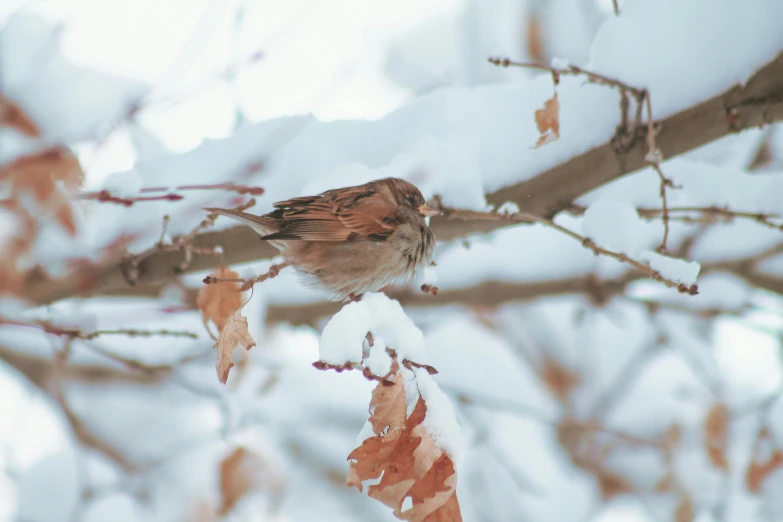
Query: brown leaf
<point x="12" y="116"/>
<point x="684" y="511"/>
<point x="665" y="484"/>
<point x="560" y="380"/>
<point x="38" y="175"/>
<point x="237" y="477"/>
<point x="612" y="484"/>
<point x="406" y="459"/>
<point x="535" y="45"/>
<point x="716" y="430"/>
<point x="548" y="122"/>
<point x="673" y="435"/>
<point x="219" y="301"/>
<point x="765" y="461"/>
<point x="235" y="332"/>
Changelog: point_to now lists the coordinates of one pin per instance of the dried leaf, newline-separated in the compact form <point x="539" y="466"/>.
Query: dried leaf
<point x="39" y="175"/>
<point x="612" y="484"/>
<point x="235" y="332"/>
<point x="765" y="461"/>
<point x="219" y="301"/>
<point x="408" y="465"/>
<point x="684" y="511"/>
<point x="237" y="477"/>
<point x="560" y="380"/>
<point x="13" y="116"/>
<point x="716" y="430"/>
<point x="535" y="44"/>
<point x="673" y="435"/>
<point x="665" y="484"/>
<point x="548" y="122"/>
<point x="245" y="471"/>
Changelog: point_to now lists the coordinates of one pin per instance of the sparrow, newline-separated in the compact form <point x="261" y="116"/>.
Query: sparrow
<point x="350" y="241"/>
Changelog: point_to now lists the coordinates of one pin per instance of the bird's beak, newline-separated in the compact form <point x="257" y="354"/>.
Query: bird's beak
<point x="426" y="210"/>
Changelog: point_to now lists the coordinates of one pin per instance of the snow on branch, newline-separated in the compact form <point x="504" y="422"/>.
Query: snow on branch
<point x="543" y="188"/>
<point x="665" y="270"/>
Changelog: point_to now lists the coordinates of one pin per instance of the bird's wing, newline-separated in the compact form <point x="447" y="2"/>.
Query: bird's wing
<point x="337" y="215"/>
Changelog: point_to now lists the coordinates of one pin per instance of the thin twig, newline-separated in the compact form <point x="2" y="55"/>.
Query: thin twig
<point x="706" y="215"/>
<point x="75" y="333"/>
<point x="229" y="187"/>
<point x="665" y="182"/>
<point x="249" y="282"/>
<point x="572" y="70"/>
<point x="384" y="379"/>
<point x="524" y="217"/>
<point x="654" y="157"/>
<point x="104" y="196"/>
<point x="163" y="229"/>
<point x="180" y="243"/>
<point x="616" y="8"/>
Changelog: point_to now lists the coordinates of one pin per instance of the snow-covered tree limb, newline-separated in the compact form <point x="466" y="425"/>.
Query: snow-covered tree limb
<point x="758" y="102"/>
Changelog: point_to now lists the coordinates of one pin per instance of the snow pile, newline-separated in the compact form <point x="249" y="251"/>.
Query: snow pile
<point x="675" y="269"/>
<point x="613" y="225"/>
<point x="86" y="102"/>
<point x="440" y="421"/>
<point x="57" y="473"/>
<point x="342" y="338"/>
<point x="616" y="226"/>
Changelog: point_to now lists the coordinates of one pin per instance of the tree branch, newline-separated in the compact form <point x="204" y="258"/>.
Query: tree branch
<point x="758" y="102"/>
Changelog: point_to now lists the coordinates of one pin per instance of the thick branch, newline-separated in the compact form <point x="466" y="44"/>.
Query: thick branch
<point x="39" y="370"/>
<point x="496" y="293"/>
<point x="757" y="103"/>
<point x="487" y="294"/>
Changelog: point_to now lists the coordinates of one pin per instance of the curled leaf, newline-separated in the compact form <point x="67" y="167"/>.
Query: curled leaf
<point x="13" y="116"/>
<point x="548" y="122"/>
<point x="561" y="381"/>
<point x="234" y="333"/>
<point x="48" y="177"/>
<point x="685" y="511"/>
<point x="410" y="472"/>
<point x="245" y="471"/>
<point x="716" y="429"/>
<point x="766" y="460"/>
<point x="218" y="302"/>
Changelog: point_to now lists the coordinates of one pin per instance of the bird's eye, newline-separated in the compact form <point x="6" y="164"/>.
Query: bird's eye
<point x="411" y="201"/>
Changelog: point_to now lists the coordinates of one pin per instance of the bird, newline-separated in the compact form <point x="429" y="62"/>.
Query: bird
<point x="350" y="241"/>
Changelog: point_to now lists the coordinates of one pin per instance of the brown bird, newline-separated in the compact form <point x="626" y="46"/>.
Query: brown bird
<point x="350" y="241"/>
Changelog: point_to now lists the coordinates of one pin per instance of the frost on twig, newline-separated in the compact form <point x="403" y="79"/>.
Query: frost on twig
<point x="408" y="446"/>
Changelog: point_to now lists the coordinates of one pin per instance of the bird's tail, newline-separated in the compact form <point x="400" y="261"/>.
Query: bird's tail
<point x="262" y="225"/>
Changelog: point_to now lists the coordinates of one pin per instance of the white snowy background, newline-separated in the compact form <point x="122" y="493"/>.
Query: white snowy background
<point x="328" y="94"/>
